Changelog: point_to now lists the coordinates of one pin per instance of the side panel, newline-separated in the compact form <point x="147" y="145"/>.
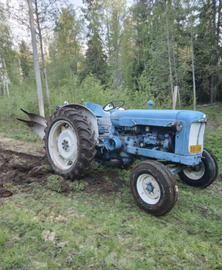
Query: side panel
<point x="150" y="153"/>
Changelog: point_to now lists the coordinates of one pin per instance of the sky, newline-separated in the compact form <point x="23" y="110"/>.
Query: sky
<point x="76" y="3"/>
<point x="20" y="32"/>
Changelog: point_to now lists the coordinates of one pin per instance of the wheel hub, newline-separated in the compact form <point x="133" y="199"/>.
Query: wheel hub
<point x="148" y="188"/>
<point x="195" y="172"/>
<point x="65" y="145"/>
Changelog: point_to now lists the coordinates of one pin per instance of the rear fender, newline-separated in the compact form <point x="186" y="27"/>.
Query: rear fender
<point x="38" y="123"/>
<point x="90" y="116"/>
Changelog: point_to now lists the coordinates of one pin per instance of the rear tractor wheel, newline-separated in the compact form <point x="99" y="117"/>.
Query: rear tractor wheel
<point x="154" y="187"/>
<point x="69" y="143"/>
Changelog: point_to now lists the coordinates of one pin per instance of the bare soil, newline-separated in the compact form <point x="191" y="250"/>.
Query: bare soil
<point x="24" y="164"/>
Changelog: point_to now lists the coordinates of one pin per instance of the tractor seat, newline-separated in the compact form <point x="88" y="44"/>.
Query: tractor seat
<point x="96" y="109"/>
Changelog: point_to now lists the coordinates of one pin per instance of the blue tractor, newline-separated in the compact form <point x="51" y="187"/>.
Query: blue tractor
<point x="166" y="142"/>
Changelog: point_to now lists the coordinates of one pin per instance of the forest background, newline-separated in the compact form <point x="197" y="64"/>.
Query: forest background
<point x="107" y="50"/>
<point x="112" y="49"/>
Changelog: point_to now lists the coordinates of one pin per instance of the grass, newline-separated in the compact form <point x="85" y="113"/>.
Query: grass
<point x="46" y="230"/>
<point x="53" y="230"/>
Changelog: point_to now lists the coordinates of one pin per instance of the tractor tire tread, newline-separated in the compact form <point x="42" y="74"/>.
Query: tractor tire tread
<point x="86" y="141"/>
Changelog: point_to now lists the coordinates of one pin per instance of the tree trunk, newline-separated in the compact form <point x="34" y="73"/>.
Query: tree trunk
<point x="175" y="95"/>
<point x="219" y="20"/>
<point x="193" y="71"/>
<point x="36" y="61"/>
<point x="43" y="58"/>
<point x="213" y="89"/>
<point x="216" y="22"/>
<point x="169" y="58"/>
<point x="6" y="79"/>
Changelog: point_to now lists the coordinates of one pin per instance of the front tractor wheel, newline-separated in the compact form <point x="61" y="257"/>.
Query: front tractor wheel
<point x="203" y="174"/>
<point x="154" y="187"/>
<point x="69" y="143"/>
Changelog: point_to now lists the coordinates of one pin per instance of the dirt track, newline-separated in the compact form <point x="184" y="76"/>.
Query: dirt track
<point x="24" y="164"/>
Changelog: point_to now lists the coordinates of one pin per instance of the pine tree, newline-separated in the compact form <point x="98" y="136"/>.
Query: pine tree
<point x="95" y="61"/>
<point x="66" y="47"/>
<point x="208" y="55"/>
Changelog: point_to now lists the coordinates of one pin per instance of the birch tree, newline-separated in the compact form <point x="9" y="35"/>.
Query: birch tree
<point x="45" y="12"/>
<point x="37" y="13"/>
<point x="9" y="64"/>
<point x="169" y="58"/>
<point x="36" y="60"/>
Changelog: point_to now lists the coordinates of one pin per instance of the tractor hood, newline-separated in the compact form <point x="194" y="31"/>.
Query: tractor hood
<point x="131" y="118"/>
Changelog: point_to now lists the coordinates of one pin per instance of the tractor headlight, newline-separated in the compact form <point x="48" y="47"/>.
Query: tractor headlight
<point x="176" y="126"/>
<point x="204" y="119"/>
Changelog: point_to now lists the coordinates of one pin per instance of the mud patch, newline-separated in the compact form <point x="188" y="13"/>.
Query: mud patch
<point x="20" y="172"/>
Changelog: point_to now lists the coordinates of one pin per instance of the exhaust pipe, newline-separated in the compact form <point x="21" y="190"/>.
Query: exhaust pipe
<point x="37" y="123"/>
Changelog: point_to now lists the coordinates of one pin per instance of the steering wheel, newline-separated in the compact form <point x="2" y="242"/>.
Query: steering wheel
<point x="114" y="105"/>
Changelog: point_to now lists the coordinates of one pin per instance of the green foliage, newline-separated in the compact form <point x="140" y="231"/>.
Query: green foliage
<point x="78" y="185"/>
<point x="89" y="90"/>
<point x="66" y="32"/>
<point x="54" y="183"/>
<point x="95" y="61"/>
<point x="115" y="14"/>
<point x="47" y="168"/>
<point x="143" y="46"/>
<point x="26" y="60"/>
<point x="9" y="60"/>
<point x="21" y="96"/>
